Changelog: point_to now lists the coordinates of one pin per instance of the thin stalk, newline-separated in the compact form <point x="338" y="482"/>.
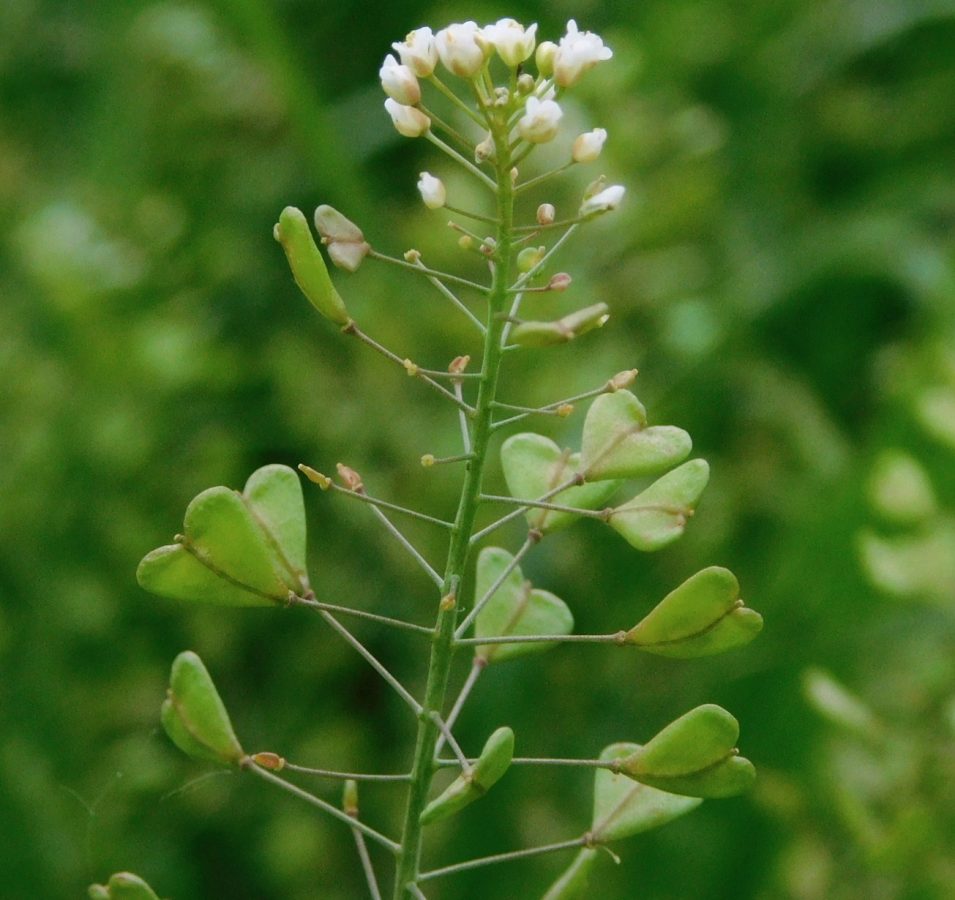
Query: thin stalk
<point x="333" y="811"/>
<point x="615" y="638"/>
<point x="457" y="157"/>
<point x="372" y="660"/>
<point x="539" y="179"/>
<point x="581" y="841"/>
<point x="465" y="427"/>
<point x="412" y="551"/>
<point x="450" y="295"/>
<point x="516" y="513"/>
<point x="450" y="130"/>
<point x="532" y="539"/>
<point x="562" y="223"/>
<point x="442" y="649"/>
<point x="394" y="507"/>
<point x="345" y="776"/>
<point x="448" y="735"/>
<point x="613" y="765"/>
<point x="603" y="514"/>
<point x="366" y="865"/>
<point x="417" y="892"/>
<point x="429" y="460"/>
<point x="362" y="614"/>
<point x="477" y="667"/>
<point x="352" y="329"/>
<point x="422" y="269"/>
<point x="457" y="101"/>
<point x="470" y="215"/>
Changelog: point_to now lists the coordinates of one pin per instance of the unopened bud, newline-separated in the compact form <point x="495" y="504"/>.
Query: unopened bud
<point x="399" y="81"/>
<point x="565" y="409"/>
<point x="525" y="83"/>
<point x="466" y="242"/>
<point x="323" y="481"/>
<point x="545" y="58"/>
<point x="529" y="257"/>
<point x="488" y="246"/>
<point x="408" y="120"/>
<point x="267" y="760"/>
<point x="412" y="256"/>
<point x="351" y="478"/>
<point x="427" y="461"/>
<point x="623" y="379"/>
<point x="432" y="190"/>
<point x="485" y="150"/>
<point x="545" y="334"/>
<point x="410" y="367"/>
<point x="559" y="282"/>
<point x="546" y="214"/>
<point x="459" y="364"/>
<point x="587" y="146"/>
<point x="350" y="798"/>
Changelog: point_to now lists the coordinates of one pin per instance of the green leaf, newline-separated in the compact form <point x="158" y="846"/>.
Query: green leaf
<point x="123" y="886"/>
<point x="194" y="715"/>
<point x="695" y="755"/>
<point x="494" y="761"/>
<point x="617" y="443"/>
<point x="308" y="266"/>
<point x="237" y="549"/>
<point x="573" y="881"/>
<point x="514" y="609"/>
<point x="534" y="465"/>
<point x="623" y="807"/>
<point x="704" y="615"/>
<point x="657" y="516"/>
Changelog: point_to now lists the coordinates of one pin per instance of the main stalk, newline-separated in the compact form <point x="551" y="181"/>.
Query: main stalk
<point x="423" y="768"/>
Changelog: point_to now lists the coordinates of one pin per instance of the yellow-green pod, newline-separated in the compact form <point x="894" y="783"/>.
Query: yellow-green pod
<point x="122" y="886"/>
<point x="494" y="761"/>
<point x="545" y="334"/>
<point x="308" y="265"/>
<point x="194" y="715"/>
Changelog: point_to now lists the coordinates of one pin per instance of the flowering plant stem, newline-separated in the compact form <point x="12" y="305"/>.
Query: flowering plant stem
<point x="442" y="650"/>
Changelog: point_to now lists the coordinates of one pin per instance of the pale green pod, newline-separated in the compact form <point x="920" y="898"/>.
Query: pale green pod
<point x="308" y="265"/>
<point x="559" y="331"/>
<point x="618" y="443"/>
<point x="572" y="883"/>
<point x="236" y="549"/>
<point x="657" y="516"/>
<point x="494" y="761"/>
<point x="534" y="465"/>
<point x="122" y="886"/>
<point x="194" y="715"/>
<point x="703" y="616"/>
<point x="695" y="755"/>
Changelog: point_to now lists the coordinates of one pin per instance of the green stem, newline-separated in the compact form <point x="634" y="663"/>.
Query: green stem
<point x="442" y="650"/>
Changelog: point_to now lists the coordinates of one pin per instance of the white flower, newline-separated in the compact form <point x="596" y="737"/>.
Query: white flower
<point x="577" y="52"/>
<point x="607" y="199"/>
<point x="588" y="145"/>
<point x="432" y="190"/>
<point x="399" y="82"/>
<point x="513" y="43"/>
<point x="409" y="121"/>
<point x="545" y="58"/>
<point x="346" y="244"/>
<point x="418" y="52"/>
<point x="461" y="48"/>
<point x="539" y="122"/>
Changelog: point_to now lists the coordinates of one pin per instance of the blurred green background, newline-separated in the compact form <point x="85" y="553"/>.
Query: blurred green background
<point x="782" y="273"/>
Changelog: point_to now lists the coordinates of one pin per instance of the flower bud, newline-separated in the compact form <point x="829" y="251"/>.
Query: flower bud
<point x="546" y="214"/>
<point x="559" y="282"/>
<point x="268" y="760"/>
<point x="540" y="121"/>
<point x="308" y="267"/>
<point x="323" y="481"/>
<point x="399" y="82"/>
<point x="546" y="334"/>
<point x="588" y="145"/>
<point x="346" y="244"/>
<point x="623" y="379"/>
<point x="418" y="52"/>
<point x="525" y="83"/>
<point x="350" y="477"/>
<point x="513" y="43"/>
<point x="122" y="886"/>
<point x="603" y="201"/>
<point x="529" y="257"/>
<point x="485" y="150"/>
<point x="459" y="364"/>
<point x="577" y="52"/>
<point x="432" y="190"/>
<point x="545" y="58"/>
<point x="462" y="49"/>
<point x="408" y="121"/>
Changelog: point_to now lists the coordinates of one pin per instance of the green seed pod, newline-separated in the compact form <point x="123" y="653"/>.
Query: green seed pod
<point x="546" y="334"/>
<point x="529" y="257"/>
<point x="494" y="761"/>
<point x="195" y="717"/>
<point x="573" y="881"/>
<point x="308" y="265"/>
<point x="122" y="886"/>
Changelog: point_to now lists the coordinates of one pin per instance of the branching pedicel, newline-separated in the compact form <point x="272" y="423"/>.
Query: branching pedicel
<point x="248" y="548"/>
